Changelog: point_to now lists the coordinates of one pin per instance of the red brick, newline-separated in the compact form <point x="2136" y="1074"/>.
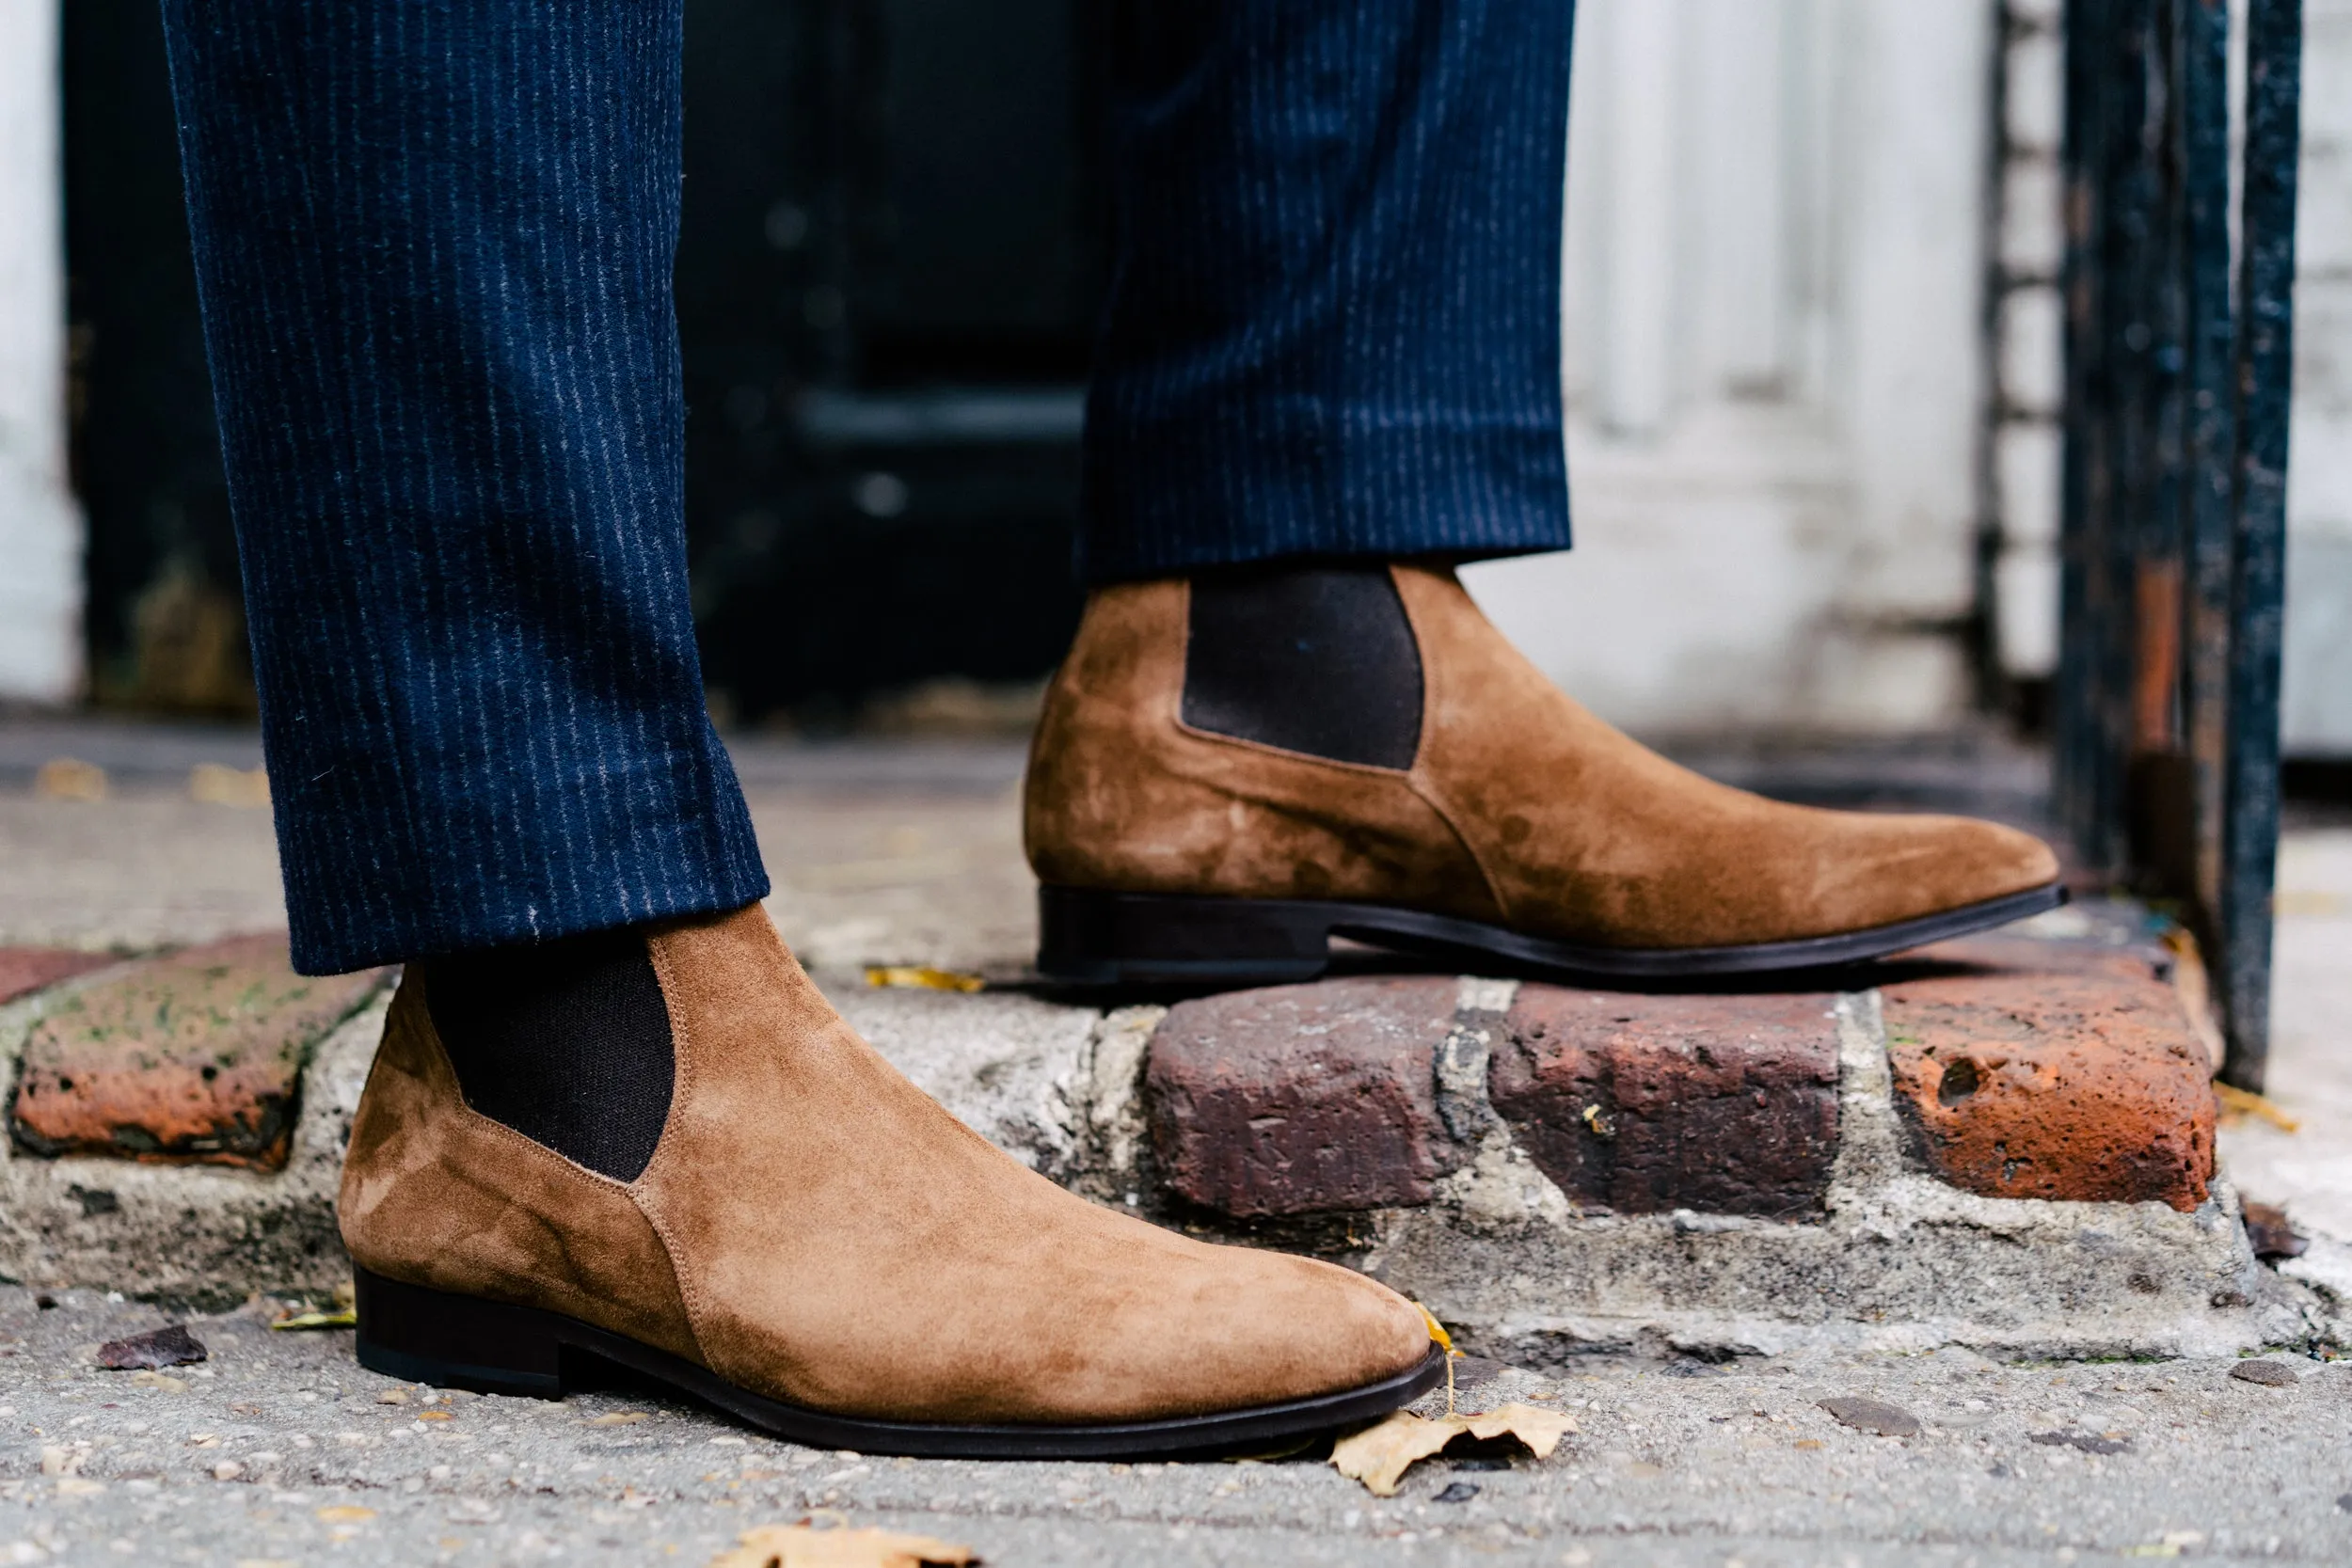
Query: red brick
<point x="193" y="1057"/>
<point x="26" y="969"/>
<point x="1301" y="1098"/>
<point x="2053" y="1071"/>
<point x="1644" y="1104"/>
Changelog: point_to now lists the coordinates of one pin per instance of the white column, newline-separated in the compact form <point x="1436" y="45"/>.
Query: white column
<point x="1912" y="262"/>
<point x="1643" y="195"/>
<point x="41" y="525"/>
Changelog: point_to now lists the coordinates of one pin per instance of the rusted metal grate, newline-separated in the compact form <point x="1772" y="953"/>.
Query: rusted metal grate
<point x="2178" y="335"/>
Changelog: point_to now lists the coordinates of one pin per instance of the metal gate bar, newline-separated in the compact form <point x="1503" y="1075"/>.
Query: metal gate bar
<point x="2178" y="370"/>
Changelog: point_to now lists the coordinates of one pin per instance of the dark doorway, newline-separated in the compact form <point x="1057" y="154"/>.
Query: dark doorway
<point x="886" y="283"/>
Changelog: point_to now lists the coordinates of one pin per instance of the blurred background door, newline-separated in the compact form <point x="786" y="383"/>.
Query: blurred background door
<point x="889" y="269"/>
<point x="1811" y="335"/>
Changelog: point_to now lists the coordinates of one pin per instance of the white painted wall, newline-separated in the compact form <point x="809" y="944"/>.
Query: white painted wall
<point x="1772" y="326"/>
<point x="40" y="526"/>
<point x="2318" y="700"/>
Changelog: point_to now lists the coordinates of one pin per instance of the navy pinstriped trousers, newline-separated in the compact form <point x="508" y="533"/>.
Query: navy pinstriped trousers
<point x="434" y="241"/>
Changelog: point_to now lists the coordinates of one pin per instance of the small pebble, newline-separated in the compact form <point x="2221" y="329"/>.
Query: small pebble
<point x="2087" y="1442"/>
<point x="2270" y="1374"/>
<point x="1887" y="1420"/>
<point x="228" y="1470"/>
<point x="171" y="1345"/>
<point x="1456" y="1492"/>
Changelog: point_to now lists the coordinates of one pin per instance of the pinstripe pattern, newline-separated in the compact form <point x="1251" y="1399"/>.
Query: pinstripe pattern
<point x="434" y="241"/>
<point x="1334" y="316"/>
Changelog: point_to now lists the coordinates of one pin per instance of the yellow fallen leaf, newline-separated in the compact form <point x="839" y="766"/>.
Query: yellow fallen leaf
<point x="1380" y="1454"/>
<point x="215" y="785"/>
<point x="922" y="977"/>
<point x="1539" y="1430"/>
<point x="69" y="779"/>
<point x="619" y="1418"/>
<point x="2236" y="1103"/>
<point x="345" y="1514"/>
<point x="434" y="1416"/>
<point x="1444" y="1341"/>
<point x="341" y="1318"/>
<point x="798" y="1546"/>
<point x="164" y="1380"/>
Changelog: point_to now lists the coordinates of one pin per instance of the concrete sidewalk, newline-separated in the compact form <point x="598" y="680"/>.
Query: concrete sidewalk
<point x="279" y="1449"/>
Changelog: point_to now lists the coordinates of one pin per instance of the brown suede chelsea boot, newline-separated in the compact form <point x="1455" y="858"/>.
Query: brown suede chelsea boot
<point x="1470" y="807"/>
<point x="816" y="1246"/>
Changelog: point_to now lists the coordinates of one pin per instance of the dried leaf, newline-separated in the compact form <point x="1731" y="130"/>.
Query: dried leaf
<point x="1380" y="1454"/>
<point x="2236" y="1104"/>
<point x="2271" y="1233"/>
<point x="922" y="977"/>
<point x="69" y="779"/>
<point x="1540" y="1430"/>
<point x="798" y="1546"/>
<point x="345" y="1514"/>
<point x="215" y="785"/>
<point x="164" y="1380"/>
<point x="341" y="1318"/>
<point x="618" y="1419"/>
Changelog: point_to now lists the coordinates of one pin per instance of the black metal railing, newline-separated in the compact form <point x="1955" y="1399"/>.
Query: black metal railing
<point x="2178" y="336"/>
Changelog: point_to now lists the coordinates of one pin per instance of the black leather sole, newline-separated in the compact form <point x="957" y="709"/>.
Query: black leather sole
<point x="426" y="1336"/>
<point x="1091" y="937"/>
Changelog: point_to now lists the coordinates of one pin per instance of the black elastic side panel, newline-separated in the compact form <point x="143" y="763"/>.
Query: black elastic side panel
<point x="567" y="1043"/>
<point x="1319" y="659"/>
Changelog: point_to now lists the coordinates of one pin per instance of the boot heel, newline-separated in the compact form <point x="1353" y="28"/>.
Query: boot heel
<point x="451" y="1342"/>
<point x="1087" y="937"/>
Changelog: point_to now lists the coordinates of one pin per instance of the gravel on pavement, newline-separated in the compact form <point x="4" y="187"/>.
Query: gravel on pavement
<point x="279" y="1449"/>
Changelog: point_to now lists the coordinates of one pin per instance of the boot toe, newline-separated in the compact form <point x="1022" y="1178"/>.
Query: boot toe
<point x="1971" y="861"/>
<point x="1330" y="1329"/>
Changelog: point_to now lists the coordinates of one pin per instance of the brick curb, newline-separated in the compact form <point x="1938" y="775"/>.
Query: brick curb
<point x="155" y="1180"/>
<point x="2022" y="1069"/>
<point x="196" y="1057"/>
<point x="1552" y="1170"/>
